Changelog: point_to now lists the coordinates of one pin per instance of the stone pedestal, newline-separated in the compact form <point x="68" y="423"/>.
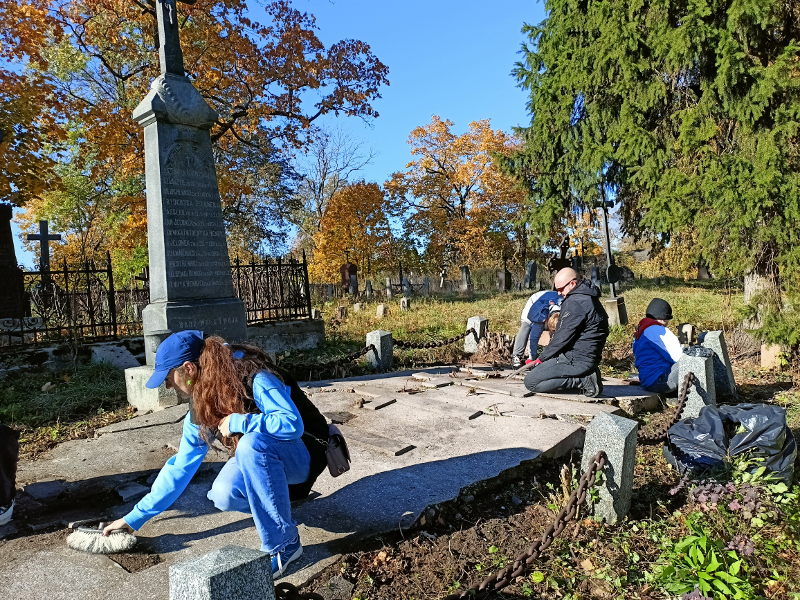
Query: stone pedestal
<point x="723" y="372"/>
<point x="703" y="392"/>
<point x="481" y="326"/>
<point x="144" y="399"/>
<point x="231" y="572"/>
<point x="616" y="436"/>
<point x="773" y="356"/>
<point x="617" y="313"/>
<point x="382" y="359"/>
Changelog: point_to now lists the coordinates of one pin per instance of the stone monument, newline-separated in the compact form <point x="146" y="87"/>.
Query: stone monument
<point x="466" y="279"/>
<point x="190" y="274"/>
<point x="529" y="282"/>
<point x="44" y="238"/>
<point x="14" y="304"/>
<point x="724" y="382"/>
<point x="368" y="290"/>
<point x="230" y="572"/>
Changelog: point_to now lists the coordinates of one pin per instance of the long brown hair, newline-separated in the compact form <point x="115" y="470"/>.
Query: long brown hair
<point x="224" y="385"/>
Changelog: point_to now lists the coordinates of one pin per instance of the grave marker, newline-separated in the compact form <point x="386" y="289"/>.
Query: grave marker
<point x="530" y="275"/>
<point x="381" y="310"/>
<point x="368" y="290"/>
<point x="426" y="286"/>
<point x="388" y="288"/>
<point x="700" y="361"/>
<point x="616" y="436"/>
<point x="723" y="373"/>
<point x="466" y="279"/>
<point x="230" y="572"/>
<point x="381" y="359"/>
<point x="405" y="304"/>
<point x="481" y="326"/>
<point x="13" y="301"/>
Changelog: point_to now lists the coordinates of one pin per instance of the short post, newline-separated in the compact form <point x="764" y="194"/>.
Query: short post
<point x="381" y="310"/>
<point x="700" y="361"/>
<point x="616" y="436"/>
<point x="230" y="572"/>
<point x="405" y="304"/>
<point x="724" y="382"/>
<point x="357" y="307"/>
<point x="617" y="313"/>
<point x="341" y="313"/>
<point x="481" y="326"/>
<point x="381" y="358"/>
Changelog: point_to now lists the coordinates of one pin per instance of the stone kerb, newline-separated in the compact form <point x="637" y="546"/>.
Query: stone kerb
<point x="481" y="326"/>
<point x="723" y="372"/>
<point x="700" y="361"/>
<point x="230" y="572"/>
<point x="616" y="436"/>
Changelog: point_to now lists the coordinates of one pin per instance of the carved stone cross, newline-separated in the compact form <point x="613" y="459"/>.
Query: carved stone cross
<point x="44" y="238"/>
<point x="169" y="43"/>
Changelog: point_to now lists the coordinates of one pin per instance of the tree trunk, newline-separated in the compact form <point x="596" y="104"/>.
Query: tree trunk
<point x="762" y="286"/>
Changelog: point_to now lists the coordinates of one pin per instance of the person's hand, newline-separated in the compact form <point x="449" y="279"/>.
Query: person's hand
<point x="537" y="362"/>
<point x="118" y="524"/>
<point x="528" y="361"/>
<point x="224" y="426"/>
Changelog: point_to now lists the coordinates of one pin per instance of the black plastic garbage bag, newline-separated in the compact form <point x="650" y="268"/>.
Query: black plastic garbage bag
<point x="705" y="442"/>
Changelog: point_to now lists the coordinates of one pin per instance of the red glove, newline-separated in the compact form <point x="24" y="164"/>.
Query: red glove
<point x="528" y="361"/>
<point x="537" y="362"/>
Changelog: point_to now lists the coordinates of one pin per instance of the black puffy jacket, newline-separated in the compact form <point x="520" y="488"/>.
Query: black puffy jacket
<point x="582" y="326"/>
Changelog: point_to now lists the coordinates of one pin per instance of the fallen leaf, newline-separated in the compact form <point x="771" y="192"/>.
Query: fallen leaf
<point x="587" y="565"/>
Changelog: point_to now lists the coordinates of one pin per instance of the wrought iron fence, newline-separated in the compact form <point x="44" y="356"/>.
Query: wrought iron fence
<point x="273" y="290"/>
<point x="82" y="303"/>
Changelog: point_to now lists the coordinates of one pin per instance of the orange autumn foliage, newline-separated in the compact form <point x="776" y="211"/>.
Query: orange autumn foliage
<point x="268" y="82"/>
<point x="356" y="221"/>
<point x="462" y="207"/>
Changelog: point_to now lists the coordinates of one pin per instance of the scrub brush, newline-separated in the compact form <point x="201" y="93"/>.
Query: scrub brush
<point x="92" y="541"/>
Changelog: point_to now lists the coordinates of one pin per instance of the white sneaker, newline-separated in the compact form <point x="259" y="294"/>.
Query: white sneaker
<point x="516" y="362"/>
<point x="5" y="513"/>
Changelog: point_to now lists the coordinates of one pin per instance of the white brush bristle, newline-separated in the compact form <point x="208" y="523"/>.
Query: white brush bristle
<point x="95" y="543"/>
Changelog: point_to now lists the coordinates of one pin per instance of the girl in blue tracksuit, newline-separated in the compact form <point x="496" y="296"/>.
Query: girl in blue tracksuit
<point x="657" y="350"/>
<point x="259" y="417"/>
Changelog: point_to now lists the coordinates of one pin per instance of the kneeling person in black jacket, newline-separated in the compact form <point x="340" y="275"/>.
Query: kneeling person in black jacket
<point x="571" y="358"/>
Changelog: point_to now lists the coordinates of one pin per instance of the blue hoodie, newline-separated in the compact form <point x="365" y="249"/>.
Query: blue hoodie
<point x="279" y="418"/>
<point x="537" y="314"/>
<point x="655" y="349"/>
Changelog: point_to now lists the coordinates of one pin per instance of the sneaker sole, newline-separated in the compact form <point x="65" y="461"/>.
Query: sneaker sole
<point x="6" y="516"/>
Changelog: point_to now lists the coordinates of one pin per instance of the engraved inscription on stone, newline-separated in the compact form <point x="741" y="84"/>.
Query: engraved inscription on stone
<point x="194" y="235"/>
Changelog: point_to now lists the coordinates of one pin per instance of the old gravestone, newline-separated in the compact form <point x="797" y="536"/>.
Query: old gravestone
<point x="700" y="361"/>
<point x="368" y="290"/>
<point x="13" y="301"/>
<point x="190" y="275"/>
<point x="388" y="288"/>
<point x="724" y="382"/>
<point x="530" y="275"/>
<point x="354" y="285"/>
<point x="44" y="238"/>
<point x="504" y="280"/>
<point x="466" y="280"/>
<point x="426" y="286"/>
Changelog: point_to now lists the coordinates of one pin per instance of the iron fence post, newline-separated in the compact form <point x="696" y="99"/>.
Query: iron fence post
<point x="306" y="286"/>
<point x="66" y="295"/>
<point x="89" y="302"/>
<point x="112" y="300"/>
<point x="280" y="288"/>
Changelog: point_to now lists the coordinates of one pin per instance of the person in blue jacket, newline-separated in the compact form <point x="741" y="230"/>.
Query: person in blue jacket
<point x="657" y="350"/>
<point x="274" y="433"/>
<point x="534" y="314"/>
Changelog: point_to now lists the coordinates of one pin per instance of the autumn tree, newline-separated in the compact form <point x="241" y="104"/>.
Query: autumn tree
<point x="356" y="221"/>
<point x="462" y="208"/>
<point x="269" y="83"/>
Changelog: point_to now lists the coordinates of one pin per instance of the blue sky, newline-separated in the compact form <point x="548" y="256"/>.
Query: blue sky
<point x="446" y="58"/>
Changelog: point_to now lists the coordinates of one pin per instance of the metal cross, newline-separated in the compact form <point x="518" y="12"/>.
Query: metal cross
<point x="169" y="43"/>
<point x="44" y="239"/>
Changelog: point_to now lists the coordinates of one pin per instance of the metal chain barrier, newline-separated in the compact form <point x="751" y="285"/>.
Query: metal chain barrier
<point x="661" y="435"/>
<point x="286" y="591"/>
<point x="425" y="345"/>
<point x="333" y="363"/>
<point x="498" y="581"/>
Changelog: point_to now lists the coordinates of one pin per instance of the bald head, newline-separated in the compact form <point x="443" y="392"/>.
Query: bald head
<point x="565" y="280"/>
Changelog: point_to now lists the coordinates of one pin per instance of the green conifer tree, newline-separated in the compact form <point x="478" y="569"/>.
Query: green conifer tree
<point x="686" y="110"/>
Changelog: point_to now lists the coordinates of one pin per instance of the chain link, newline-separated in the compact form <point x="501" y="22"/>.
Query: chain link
<point x="286" y="591"/>
<point x="333" y="363"/>
<point x="421" y="345"/>
<point x="498" y="581"/>
<point x="661" y="435"/>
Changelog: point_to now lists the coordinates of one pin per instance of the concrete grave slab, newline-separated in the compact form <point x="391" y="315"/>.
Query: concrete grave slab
<point x="162" y="417"/>
<point x="420" y="402"/>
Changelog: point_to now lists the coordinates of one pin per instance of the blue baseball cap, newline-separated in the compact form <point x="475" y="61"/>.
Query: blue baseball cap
<point x="173" y="352"/>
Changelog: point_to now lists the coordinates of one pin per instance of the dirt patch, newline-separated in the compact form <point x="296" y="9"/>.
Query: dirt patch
<point x="133" y="562"/>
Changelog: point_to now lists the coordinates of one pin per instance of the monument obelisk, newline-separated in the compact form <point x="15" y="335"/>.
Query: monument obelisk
<point x="190" y="275"/>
